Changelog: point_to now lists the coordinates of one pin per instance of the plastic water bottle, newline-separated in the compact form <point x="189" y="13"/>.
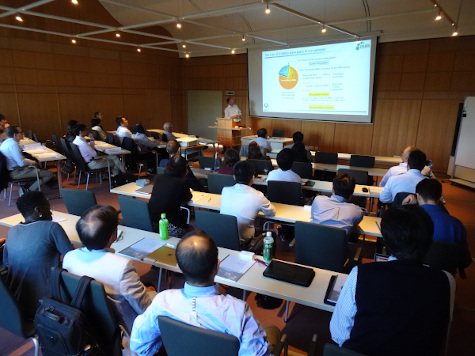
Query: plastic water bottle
<point x="163" y="227"/>
<point x="268" y="247"/>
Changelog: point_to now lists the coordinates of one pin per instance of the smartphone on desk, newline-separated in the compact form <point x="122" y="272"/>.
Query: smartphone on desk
<point x="310" y="183"/>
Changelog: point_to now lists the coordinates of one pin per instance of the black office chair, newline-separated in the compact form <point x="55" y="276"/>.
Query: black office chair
<point x="222" y="228"/>
<point x="78" y="201"/>
<point x="216" y="182"/>
<point x="261" y="165"/>
<point x="155" y="135"/>
<point x="57" y="145"/>
<point x="326" y="158"/>
<point x="81" y="166"/>
<point x="284" y="192"/>
<point x="321" y="246"/>
<point x="135" y="213"/>
<point x="137" y="157"/>
<point x="362" y="161"/>
<point x="112" y="139"/>
<point x="399" y="198"/>
<point x="278" y="133"/>
<point x="361" y="177"/>
<point x="303" y="169"/>
<point x="12" y="319"/>
<point x="209" y="162"/>
<point x="98" y="310"/>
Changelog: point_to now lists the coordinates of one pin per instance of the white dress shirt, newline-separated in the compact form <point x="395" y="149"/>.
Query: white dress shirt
<point x="401" y="168"/>
<point x="263" y="144"/>
<point x="232" y="111"/>
<point x="402" y="183"/>
<point x="122" y="132"/>
<point x="87" y="152"/>
<point x="12" y="152"/>
<point x="284" y="176"/>
<point x="245" y="202"/>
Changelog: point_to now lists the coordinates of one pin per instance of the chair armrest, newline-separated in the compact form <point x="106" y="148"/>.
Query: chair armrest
<point x="292" y="243"/>
<point x="312" y="350"/>
<point x="282" y="345"/>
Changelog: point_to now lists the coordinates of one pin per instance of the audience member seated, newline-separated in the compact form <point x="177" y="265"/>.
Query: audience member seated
<point x="201" y="304"/>
<point x="168" y="134"/>
<point x="243" y="201"/>
<point x="32" y="248"/>
<point x="89" y="154"/>
<point x="97" y="230"/>
<point x="170" y="190"/>
<point x="18" y="166"/>
<point x="254" y="151"/>
<point x="3" y="122"/>
<point x="70" y="136"/>
<point x="122" y="128"/>
<point x="262" y="141"/>
<point x="142" y="140"/>
<point x="446" y="227"/>
<point x="174" y="149"/>
<point x="3" y="136"/>
<point x="284" y="173"/>
<point x="231" y="157"/>
<point x="405" y="182"/>
<point x="336" y="210"/>
<point x="96" y="127"/>
<point x="399" y="307"/>
<point x="300" y="153"/>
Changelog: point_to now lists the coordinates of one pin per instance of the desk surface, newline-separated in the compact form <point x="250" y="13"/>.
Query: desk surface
<point x="40" y="152"/>
<point x="378" y="159"/>
<point x="253" y="280"/>
<point x="284" y="212"/>
<point x="110" y="149"/>
<point x="378" y="172"/>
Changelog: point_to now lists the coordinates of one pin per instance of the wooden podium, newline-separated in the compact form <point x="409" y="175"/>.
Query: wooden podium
<point x="228" y="134"/>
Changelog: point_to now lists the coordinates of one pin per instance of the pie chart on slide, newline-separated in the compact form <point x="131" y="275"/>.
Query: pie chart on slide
<point x="288" y="77"/>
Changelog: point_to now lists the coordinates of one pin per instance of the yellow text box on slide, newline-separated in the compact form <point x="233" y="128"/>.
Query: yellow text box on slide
<point x="319" y="94"/>
<point x="322" y="107"/>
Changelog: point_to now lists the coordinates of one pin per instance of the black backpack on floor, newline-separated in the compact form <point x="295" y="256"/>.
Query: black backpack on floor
<point x="62" y="328"/>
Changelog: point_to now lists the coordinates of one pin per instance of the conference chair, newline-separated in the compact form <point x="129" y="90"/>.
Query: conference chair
<point x="137" y="157"/>
<point x="69" y="156"/>
<point x="278" y="133"/>
<point x="11" y="317"/>
<point x="399" y="198"/>
<point x="362" y="161"/>
<point x="261" y="166"/>
<point x="303" y="169"/>
<point x="216" y="182"/>
<point x="160" y="170"/>
<point x="335" y="350"/>
<point x="325" y="158"/>
<point x="222" y="228"/>
<point x="81" y="166"/>
<point x="154" y="135"/>
<point x="57" y="144"/>
<point x="78" y="201"/>
<point x="98" y="310"/>
<point x="112" y="139"/>
<point x="284" y="192"/>
<point x="135" y="213"/>
<point x="244" y="151"/>
<point x="209" y="162"/>
<point x="201" y="341"/>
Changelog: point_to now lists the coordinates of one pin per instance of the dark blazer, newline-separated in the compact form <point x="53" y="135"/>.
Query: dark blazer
<point x="167" y="195"/>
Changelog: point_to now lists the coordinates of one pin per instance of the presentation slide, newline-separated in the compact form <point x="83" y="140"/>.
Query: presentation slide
<point x="331" y="82"/>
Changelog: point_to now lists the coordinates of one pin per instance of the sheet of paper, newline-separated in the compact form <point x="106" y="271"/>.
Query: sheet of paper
<point x="235" y="264"/>
<point x="142" y="248"/>
<point x="57" y="218"/>
<point x="33" y="147"/>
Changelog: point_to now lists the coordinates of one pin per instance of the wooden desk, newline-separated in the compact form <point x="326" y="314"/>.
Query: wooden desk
<point x="109" y="149"/>
<point x="284" y="212"/>
<point x="69" y="224"/>
<point x="253" y="280"/>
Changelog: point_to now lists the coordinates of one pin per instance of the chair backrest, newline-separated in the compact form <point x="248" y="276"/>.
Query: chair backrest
<point x="320" y="246"/>
<point x="278" y="133"/>
<point x="199" y="341"/>
<point x="78" y="201"/>
<point x="154" y="134"/>
<point x="326" y="157"/>
<point x="11" y="317"/>
<point x="444" y="255"/>
<point x="244" y="151"/>
<point x="96" y="135"/>
<point x="209" y="162"/>
<point x="335" y="350"/>
<point x="66" y="149"/>
<point x="362" y="161"/>
<point x="261" y="164"/>
<point x="34" y="136"/>
<point x="216" y="182"/>
<point x="361" y="177"/>
<point x="112" y="139"/>
<point x="96" y="306"/>
<point x="303" y="169"/>
<point x="77" y="157"/>
<point x="399" y="197"/>
<point x="57" y="144"/>
<point x="222" y="228"/>
<point x="284" y="192"/>
<point x="160" y="170"/>
<point x="135" y="213"/>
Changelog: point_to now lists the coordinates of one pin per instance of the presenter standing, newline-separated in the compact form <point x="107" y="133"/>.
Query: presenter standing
<point x="232" y="111"/>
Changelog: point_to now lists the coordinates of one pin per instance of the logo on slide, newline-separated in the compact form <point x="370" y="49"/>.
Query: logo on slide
<point x="288" y="77"/>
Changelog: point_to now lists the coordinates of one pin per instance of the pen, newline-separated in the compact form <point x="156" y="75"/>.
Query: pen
<point x="209" y="200"/>
<point x="259" y="261"/>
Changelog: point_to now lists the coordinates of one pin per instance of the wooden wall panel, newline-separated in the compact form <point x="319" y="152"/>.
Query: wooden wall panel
<point x="75" y="107"/>
<point x="39" y="113"/>
<point x="353" y="138"/>
<point x="319" y="134"/>
<point x="110" y="106"/>
<point x="159" y="104"/>
<point x="136" y="109"/>
<point x="9" y="107"/>
<point x="436" y="130"/>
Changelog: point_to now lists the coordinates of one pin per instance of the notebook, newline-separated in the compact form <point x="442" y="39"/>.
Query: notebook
<point x="145" y="190"/>
<point x="282" y="271"/>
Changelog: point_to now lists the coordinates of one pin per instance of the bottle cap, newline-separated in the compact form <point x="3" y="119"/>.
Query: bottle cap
<point x="269" y="233"/>
<point x="164" y="215"/>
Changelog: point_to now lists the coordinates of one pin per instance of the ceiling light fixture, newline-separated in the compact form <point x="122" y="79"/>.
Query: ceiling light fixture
<point x="324" y="29"/>
<point x="455" y="33"/>
<point x="187" y="55"/>
<point x="75" y="2"/>
<point x="438" y="17"/>
<point x="178" y="25"/>
<point x="233" y="51"/>
<point x="267" y="9"/>
<point x="243" y="38"/>
<point x="18" y="18"/>
<point x="73" y="41"/>
<point x="117" y="34"/>
<point x="184" y="45"/>
<point x="139" y="50"/>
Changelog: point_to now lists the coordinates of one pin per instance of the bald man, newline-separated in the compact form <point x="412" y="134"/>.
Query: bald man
<point x="200" y="304"/>
<point x="401" y="168"/>
<point x="168" y="134"/>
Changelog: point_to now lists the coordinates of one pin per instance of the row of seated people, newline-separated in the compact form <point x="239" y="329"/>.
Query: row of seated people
<point x="410" y="303"/>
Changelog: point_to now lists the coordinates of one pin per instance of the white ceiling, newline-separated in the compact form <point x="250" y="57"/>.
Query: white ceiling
<point x="211" y="27"/>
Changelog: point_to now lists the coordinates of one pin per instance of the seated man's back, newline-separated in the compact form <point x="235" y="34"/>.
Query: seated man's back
<point x="284" y="173"/>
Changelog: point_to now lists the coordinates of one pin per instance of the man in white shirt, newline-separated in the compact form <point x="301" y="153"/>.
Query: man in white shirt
<point x="405" y="182"/>
<point x="262" y="141"/>
<point x="284" y="173"/>
<point x="401" y="168"/>
<point x="122" y="128"/>
<point x="90" y="154"/>
<point x="243" y="201"/>
<point x="232" y="111"/>
<point x="18" y="166"/>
